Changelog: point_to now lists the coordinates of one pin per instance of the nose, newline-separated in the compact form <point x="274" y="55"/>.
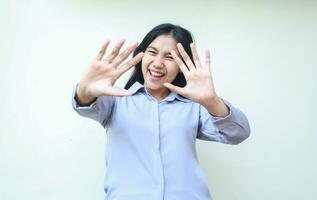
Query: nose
<point x="157" y="63"/>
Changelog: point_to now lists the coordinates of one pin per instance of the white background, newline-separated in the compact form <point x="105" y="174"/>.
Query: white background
<point x="263" y="62"/>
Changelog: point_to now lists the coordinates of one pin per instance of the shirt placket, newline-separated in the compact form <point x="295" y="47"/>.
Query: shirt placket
<point x="159" y="152"/>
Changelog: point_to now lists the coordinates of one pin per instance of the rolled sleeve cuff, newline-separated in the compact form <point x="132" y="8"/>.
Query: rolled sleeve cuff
<point x="76" y="105"/>
<point x="235" y="116"/>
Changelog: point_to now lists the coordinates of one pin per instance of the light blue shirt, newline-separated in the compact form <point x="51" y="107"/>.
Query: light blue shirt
<point x="151" y="152"/>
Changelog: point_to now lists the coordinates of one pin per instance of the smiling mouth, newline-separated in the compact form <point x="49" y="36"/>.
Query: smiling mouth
<point x="156" y="75"/>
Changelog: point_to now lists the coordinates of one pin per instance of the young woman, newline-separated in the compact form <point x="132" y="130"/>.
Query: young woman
<point x="153" y="123"/>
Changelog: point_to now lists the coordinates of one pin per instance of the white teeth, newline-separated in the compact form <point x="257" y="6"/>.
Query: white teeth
<point x="156" y="73"/>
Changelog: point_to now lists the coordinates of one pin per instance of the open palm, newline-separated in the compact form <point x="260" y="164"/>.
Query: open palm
<point x="199" y="87"/>
<point x="102" y="74"/>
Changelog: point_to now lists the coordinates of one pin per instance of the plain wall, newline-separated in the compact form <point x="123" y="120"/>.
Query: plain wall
<point x="263" y="62"/>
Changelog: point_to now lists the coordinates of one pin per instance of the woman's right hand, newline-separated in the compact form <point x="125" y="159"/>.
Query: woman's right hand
<point x="103" y="73"/>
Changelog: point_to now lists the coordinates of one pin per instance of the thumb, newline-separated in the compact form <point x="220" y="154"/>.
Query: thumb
<point x="174" y="88"/>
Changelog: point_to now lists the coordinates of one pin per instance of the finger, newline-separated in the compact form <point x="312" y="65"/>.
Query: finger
<point x="102" y="50"/>
<point x="174" y="88"/>
<point x="118" y="92"/>
<point x="180" y="63"/>
<point x="115" y="51"/>
<point x="130" y="64"/>
<point x="208" y="62"/>
<point x="122" y="56"/>
<point x="185" y="56"/>
<point x="195" y="55"/>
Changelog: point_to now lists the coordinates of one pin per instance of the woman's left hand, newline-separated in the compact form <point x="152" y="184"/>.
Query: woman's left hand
<point x="200" y="86"/>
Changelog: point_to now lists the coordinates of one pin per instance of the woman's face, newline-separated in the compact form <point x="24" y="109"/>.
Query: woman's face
<point x="158" y="65"/>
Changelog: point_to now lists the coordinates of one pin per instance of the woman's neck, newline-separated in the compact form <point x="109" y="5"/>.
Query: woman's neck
<point x="158" y="94"/>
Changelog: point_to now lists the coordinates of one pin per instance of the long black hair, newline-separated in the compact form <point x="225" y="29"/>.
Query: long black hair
<point x="179" y="33"/>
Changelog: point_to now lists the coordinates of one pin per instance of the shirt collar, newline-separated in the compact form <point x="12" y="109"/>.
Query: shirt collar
<point x="138" y="87"/>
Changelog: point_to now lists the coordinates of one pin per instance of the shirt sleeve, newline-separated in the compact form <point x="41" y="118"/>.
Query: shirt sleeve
<point x="231" y="129"/>
<point x="100" y="110"/>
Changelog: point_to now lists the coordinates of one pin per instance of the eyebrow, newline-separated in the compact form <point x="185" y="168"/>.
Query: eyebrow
<point x="169" y="53"/>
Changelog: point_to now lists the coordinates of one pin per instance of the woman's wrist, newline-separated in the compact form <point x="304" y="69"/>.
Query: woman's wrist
<point x="216" y="107"/>
<point x="81" y="96"/>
